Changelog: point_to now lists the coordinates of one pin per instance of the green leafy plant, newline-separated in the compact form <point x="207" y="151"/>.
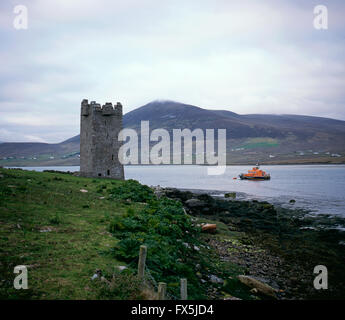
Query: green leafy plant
<point x="170" y="237"/>
<point x="132" y="190"/>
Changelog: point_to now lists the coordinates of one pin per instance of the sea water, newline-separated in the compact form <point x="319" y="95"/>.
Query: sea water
<point x="318" y="188"/>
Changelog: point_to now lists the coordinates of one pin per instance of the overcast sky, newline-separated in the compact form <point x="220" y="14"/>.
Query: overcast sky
<point x="243" y="56"/>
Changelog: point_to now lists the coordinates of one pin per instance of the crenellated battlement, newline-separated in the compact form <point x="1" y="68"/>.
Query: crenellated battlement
<point x="106" y="110"/>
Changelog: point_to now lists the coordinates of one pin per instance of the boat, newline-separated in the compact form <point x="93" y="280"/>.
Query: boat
<point x="255" y="174"/>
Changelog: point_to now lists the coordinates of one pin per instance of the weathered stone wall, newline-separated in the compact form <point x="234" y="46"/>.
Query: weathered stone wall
<point x="99" y="145"/>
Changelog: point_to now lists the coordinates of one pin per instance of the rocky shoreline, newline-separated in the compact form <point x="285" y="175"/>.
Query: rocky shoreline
<point x="277" y="246"/>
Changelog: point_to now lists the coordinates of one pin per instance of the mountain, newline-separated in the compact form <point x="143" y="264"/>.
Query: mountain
<point x="172" y="115"/>
<point x="252" y="137"/>
<point x="36" y="153"/>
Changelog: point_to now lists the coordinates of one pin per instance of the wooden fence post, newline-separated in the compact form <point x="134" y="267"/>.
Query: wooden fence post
<point x="162" y="288"/>
<point x="183" y="289"/>
<point x="142" y="261"/>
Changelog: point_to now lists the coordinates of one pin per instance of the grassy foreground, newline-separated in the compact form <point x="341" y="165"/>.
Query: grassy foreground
<point x="60" y="232"/>
<point x="64" y="227"/>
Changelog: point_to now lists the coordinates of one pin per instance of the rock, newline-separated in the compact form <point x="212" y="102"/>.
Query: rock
<point x="186" y="245"/>
<point x="121" y="268"/>
<point x="158" y="192"/>
<point x="97" y="274"/>
<point x="83" y="190"/>
<point x="230" y="297"/>
<point x="192" y="203"/>
<point x="215" y="279"/>
<point x="294" y="280"/>
<point x="230" y="195"/>
<point x="208" y="227"/>
<point x="178" y="194"/>
<point x="46" y="229"/>
<point x="292" y="201"/>
<point x="260" y="286"/>
<point x="196" y="248"/>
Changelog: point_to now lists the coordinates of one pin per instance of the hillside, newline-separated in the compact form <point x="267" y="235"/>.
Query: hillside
<point x="64" y="228"/>
<point x="67" y="229"/>
<point x="171" y="115"/>
<point x="268" y="138"/>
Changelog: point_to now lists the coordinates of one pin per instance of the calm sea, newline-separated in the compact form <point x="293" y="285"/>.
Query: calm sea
<point x="319" y="188"/>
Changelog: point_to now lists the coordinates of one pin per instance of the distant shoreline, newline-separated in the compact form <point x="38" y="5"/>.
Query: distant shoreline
<point x="283" y="163"/>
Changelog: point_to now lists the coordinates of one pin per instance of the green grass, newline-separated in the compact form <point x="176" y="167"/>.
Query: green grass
<point x="61" y="261"/>
<point x="63" y="235"/>
<point x="260" y="143"/>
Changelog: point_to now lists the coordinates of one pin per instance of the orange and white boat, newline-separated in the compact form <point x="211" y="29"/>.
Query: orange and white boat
<point x="255" y="174"/>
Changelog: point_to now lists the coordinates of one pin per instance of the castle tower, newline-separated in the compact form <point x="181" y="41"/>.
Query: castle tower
<point x="99" y="145"/>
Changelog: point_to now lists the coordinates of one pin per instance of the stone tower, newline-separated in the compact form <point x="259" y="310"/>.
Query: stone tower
<point x="99" y="145"/>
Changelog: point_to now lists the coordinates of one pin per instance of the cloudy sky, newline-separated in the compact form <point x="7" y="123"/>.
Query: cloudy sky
<point x="246" y="56"/>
